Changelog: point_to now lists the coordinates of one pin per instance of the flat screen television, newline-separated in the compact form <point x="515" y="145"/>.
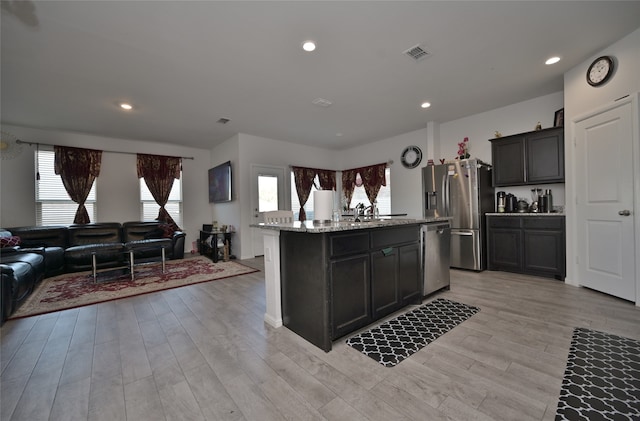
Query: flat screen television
<point x="220" y="183"/>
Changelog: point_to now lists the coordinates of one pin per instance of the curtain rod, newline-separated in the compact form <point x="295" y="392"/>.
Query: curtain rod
<point x="389" y="163"/>
<point x="126" y="153"/>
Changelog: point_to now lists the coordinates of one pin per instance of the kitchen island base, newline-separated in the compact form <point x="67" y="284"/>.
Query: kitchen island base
<point x="335" y="283"/>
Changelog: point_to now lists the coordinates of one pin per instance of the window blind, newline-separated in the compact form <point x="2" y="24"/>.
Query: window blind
<point x="53" y="204"/>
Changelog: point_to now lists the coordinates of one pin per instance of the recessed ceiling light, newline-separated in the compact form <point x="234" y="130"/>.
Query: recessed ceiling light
<point x="309" y="46"/>
<point x="552" y="60"/>
<point x="126" y="106"/>
<point x="425" y="104"/>
<point x="321" y="102"/>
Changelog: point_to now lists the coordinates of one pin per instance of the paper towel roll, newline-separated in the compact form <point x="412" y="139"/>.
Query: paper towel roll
<point x="322" y="205"/>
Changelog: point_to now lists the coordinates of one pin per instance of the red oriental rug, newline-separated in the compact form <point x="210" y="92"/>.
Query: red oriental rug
<point x="78" y="289"/>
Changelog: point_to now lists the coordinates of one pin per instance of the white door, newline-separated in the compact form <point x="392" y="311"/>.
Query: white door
<point x="267" y="194"/>
<point x="605" y="198"/>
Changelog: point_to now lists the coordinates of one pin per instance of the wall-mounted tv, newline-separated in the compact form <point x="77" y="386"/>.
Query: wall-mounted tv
<point x="220" y="183"/>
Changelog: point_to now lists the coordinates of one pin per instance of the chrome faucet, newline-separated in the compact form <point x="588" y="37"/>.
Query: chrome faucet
<point x="361" y="211"/>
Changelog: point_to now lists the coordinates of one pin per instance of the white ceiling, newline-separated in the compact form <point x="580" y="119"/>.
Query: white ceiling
<point x="186" y="64"/>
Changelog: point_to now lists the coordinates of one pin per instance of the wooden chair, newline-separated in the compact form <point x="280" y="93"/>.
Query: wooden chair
<point x="278" y="217"/>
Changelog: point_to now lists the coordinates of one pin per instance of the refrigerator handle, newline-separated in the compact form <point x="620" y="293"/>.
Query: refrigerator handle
<point x="445" y="195"/>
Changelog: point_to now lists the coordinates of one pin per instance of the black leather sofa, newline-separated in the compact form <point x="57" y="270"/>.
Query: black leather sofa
<point x="21" y="271"/>
<point x="46" y="251"/>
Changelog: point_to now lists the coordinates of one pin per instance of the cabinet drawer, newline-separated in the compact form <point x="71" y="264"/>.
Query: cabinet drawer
<point x="544" y="222"/>
<point x="396" y="235"/>
<point x="504" y="222"/>
<point x="349" y="243"/>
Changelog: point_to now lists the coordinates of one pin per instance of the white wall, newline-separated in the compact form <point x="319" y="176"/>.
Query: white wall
<point x="246" y="150"/>
<point x="581" y="98"/>
<point x="117" y="185"/>
<point x="406" y="184"/>
<point x="516" y="118"/>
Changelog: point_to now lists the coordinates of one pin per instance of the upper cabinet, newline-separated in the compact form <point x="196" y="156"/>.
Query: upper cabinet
<point x="528" y="158"/>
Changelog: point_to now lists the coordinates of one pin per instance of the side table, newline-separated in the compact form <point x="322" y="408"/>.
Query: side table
<point x="211" y="251"/>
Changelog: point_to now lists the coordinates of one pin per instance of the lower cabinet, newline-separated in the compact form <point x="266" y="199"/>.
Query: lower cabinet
<point x="350" y="293"/>
<point x="532" y="245"/>
<point x="335" y="283"/>
<point x="394" y="279"/>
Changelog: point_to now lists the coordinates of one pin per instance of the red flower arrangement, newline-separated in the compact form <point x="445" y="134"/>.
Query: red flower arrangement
<point x="463" y="149"/>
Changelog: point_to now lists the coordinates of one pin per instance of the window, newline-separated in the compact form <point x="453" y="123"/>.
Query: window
<point x="383" y="199"/>
<point x="53" y="204"/>
<point x="295" y="202"/>
<point x="359" y="196"/>
<point x="267" y="193"/>
<point x="149" y="208"/>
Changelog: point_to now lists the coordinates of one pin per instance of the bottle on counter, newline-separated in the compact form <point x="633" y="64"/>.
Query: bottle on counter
<point x="549" y="197"/>
<point x="501" y="198"/>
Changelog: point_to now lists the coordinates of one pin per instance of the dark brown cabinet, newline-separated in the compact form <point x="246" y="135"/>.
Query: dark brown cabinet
<point x="528" y="158"/>
<point x="385" y="291"/>
<point x="395" y="269"/>
<point x="533" y="245"/>
<point x="350" y="293"/>
<point x="395" y="278"/>
<point x="335" y="283"/>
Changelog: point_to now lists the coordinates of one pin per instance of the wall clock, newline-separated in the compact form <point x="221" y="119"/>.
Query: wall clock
<point x="411" y="157"/>
<point x="600" y="71"/>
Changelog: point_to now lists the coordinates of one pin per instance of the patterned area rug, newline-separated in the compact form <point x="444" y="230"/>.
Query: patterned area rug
<point x="396" y="339"/>
<point x="602" y="378"/>
<point x="78" y="289"/>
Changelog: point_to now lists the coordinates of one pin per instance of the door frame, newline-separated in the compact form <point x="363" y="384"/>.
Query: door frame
<point x="634" y="99"/>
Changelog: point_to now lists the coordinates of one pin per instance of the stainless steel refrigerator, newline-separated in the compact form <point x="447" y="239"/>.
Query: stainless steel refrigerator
<point x="461" y="190"/>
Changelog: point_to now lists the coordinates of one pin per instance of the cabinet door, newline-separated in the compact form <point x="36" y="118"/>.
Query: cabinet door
<point x="385" y="290"/>
<point x="545" y="157"/>
<point x="544" y="252"/>
<point x="505" y="249"/>
<point x="350" y="294"/>
<point x="508" y="161"/>
<point x="410" y="279"/>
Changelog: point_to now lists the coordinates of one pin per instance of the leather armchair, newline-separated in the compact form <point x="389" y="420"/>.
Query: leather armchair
<point x="21" y="271"/>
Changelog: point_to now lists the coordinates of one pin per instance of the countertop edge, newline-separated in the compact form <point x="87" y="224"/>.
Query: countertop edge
<point x="311" y="227"/>
<point x="529" y="214"/>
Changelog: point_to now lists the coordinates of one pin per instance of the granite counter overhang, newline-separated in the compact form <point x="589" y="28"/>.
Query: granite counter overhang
<point x="314" y="227"/>
<point x="524" y="214"/>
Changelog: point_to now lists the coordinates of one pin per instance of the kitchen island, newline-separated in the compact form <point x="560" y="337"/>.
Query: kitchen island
<point x="324" y="281"/>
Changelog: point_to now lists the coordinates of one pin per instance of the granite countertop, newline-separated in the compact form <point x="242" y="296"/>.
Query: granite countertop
<point x="524" y="214"/>
<point x="311" y="227"/>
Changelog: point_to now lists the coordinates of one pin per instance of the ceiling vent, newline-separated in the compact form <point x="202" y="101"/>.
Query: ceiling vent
<point x="321" y="102"/>
<point x="223" y="120"/>
<point x="417" y="52"/>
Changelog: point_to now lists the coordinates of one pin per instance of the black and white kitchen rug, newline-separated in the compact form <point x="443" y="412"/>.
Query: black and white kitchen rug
<point x="602" y="378"/>
<point x="396" y="339"/>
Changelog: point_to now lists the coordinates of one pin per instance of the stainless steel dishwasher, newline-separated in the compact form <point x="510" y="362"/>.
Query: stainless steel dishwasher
<point x="435" y="241"/>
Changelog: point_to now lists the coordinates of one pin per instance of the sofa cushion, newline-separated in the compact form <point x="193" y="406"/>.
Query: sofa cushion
<point x="80" y="257"/>
<point x="155" y="233"/>
<point x="42" y="236"/>
<point x="98" y="233"/>
<point x="168" y="229"/>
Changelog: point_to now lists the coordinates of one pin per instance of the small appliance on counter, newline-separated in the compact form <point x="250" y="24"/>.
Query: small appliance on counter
<point x="546" y="202"/>
<point x="501" y="201"/>
<point x="522" y="206"/>
<point x="535" y="195"/>
<point x="511" y="203"/>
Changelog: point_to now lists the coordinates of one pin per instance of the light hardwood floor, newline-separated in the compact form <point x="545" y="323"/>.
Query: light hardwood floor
<point x="202" y="352"/>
